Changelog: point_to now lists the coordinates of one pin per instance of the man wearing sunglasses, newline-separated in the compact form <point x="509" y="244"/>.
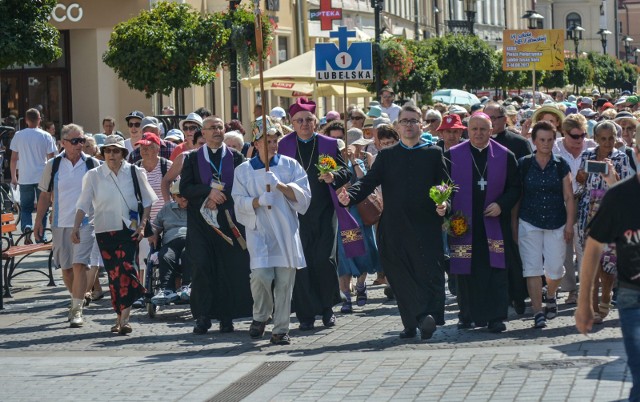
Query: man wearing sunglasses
<point x="134" y="123"/>
<point x="30" y="150"/>
<point x="60" y="184"/>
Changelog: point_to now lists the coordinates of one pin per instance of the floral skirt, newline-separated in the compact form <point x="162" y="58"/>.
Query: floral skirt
<point x="118" y="252"/>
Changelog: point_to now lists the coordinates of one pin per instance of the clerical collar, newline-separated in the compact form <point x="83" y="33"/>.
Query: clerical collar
<point x="480" y="149"/>
<point x="421" y="144"/>
<point x="306" y="141"/>
<point x="256" y="162"/>
<point x="214" y="150"/>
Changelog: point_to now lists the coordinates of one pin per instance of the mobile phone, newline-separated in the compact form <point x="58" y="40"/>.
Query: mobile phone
<point x="596" y="167"/>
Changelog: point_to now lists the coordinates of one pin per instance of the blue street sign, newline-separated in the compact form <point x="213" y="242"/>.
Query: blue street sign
<point x="344" y="62"/>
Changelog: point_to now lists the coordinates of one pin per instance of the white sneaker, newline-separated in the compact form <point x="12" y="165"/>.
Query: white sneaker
<point x="185" y="292"/>
<point x="76" y="320"/>
<point x="163" y="297"/>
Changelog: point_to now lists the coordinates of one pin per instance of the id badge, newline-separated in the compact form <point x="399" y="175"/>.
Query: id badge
<point x="218" y="185"/>
<point x="133" y="217"/>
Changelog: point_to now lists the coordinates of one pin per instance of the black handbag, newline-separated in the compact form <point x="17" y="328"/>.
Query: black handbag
<point x="148" y="230"/>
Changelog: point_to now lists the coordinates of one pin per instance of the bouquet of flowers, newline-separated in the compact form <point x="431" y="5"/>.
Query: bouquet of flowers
<point x="443" y="192"/>
<point x="326" y="164"/>
<point x="457" y="225"/>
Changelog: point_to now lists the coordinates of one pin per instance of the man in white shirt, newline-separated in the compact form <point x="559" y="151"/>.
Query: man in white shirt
<point x="386" y="98"/>
<point x="31" y="148"/>
<point x="60" y="185"/>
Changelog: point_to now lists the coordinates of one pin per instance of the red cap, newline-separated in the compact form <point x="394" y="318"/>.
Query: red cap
<point x="606" y="106"/>
<point x="148" y="138"/>
<point x="302" y="104"/>
<point x="451" y="122"/>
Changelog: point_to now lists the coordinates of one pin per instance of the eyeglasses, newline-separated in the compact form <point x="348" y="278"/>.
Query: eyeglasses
<point x="112" y="150"/>
<point x="357" y="118"/>
<point x="76" y="141"/>
<point x="212" y="128"/>
<point x="429" y="121"/>
<point x="388" y="96"/>
<point x="494" y="118"/>
<point x="136" y="124"/>
<point x="577" y="136"/>
<point x="385" y="144"/>
<point x="308" y="120"/>
<point x="190" y="128"/>
<point x="412" y="122"/>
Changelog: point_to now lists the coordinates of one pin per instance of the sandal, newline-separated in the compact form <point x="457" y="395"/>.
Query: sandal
<point x="597" y="318"/>
<point x="604" y="309"/>
<point x="539" y="320"/>
<point x="97" y="295"/>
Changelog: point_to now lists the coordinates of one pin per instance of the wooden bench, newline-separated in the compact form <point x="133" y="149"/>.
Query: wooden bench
<point x="14" y="247"/>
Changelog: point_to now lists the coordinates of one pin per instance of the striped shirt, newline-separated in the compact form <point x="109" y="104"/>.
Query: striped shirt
<point x="155" y="180"/>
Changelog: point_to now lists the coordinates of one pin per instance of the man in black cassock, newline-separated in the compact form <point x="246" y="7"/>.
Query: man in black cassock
<point x="520" y="147"/>
<point x="489" y="187"/>
<point x="410" y="229"/>
<point x="316" y="288"/>
<point x="220" y="271"/>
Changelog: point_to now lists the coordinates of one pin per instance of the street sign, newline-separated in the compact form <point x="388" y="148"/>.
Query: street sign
<point x="539" y="49"/>
<point x="344" y="62"/>
<point x="326" y="14"/>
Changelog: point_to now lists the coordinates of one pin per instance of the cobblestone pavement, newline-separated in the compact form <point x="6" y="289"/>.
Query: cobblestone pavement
<point x="361" y="358"/>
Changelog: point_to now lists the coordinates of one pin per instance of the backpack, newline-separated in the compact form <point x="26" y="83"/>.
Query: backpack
<point x="163" y="165"/>
<point x="90" y="162"/>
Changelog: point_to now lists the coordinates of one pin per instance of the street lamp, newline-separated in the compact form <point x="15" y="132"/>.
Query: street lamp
<point x="575" y="33"/>
<point x="627" y="46"/>
<point x="533" y="17"/>
<point x="603" y="38"/>
<point x="470" y="8"/>
<point x="635" y="54"/>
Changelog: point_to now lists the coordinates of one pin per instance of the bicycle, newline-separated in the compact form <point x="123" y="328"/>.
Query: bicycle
<point x="7" y="202"/>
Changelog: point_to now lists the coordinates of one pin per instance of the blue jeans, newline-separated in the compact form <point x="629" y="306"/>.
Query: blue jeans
<point x="629" y="310"/>
<point x="29" y="193"/>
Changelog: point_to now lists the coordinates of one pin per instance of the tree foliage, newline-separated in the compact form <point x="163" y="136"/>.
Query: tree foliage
<point x="424" y="78"/>
<point x="466" y="61"/>
<point x="579" y="72"/>
<point x="513" y="79"/>
<point x="27" y="36"/>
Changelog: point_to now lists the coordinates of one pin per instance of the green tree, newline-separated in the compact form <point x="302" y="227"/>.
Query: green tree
<point x="579" y="72"/>
<point x="27" y="36"/>
<point x="466" y="61"/>
<point x="511" y="79"/>
<point x="555" y="78"/>
<point x="170" y="46"/>
<point x="424" y="78"/>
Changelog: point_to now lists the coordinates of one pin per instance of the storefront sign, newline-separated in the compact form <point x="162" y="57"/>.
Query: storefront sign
<point x="72" y="12"/>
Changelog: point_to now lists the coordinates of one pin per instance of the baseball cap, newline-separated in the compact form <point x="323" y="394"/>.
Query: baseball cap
<point x="278" y="113"/>
<point x="148" y="138"/>
<point x="633" y="100"/>
<point x="588" y="112"/>
<point x="136" y="113"/>
<point x="175" y="134"/>
<point x="585" y="101"/>
<point x="149" y="121"/>
<point x="457" y="109"/>
<point x="374" y="111"/>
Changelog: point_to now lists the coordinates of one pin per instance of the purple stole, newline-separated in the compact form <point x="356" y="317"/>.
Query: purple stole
<point x="462" y="175"/>
<point x="350" y="232"/>
<point x="206" y="171"/>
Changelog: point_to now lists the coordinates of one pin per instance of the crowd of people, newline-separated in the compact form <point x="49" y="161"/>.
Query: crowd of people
<point x="248" y="230"/>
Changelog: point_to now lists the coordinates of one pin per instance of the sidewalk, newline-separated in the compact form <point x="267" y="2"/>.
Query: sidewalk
<point x="359" y="359"/>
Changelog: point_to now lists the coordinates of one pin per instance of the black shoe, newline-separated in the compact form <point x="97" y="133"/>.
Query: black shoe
<point x="408" y="333"/>
<point x="226" y="327"/>
<point x="389" y="293"/>
<point x="328" y="318"/>
<point x="202" y="326"/>
<point x="427" y="326"/>
<point x="280" y="339"/>
<point x="465" y="325"/>
<point x="497" y="327"/>
<point x="306" y="326"/>
<point x="519" y="306"/>
<point x="256" y="330"/>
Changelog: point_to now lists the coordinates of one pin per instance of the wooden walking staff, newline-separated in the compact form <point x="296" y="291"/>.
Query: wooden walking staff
<point x="259" y="41"/>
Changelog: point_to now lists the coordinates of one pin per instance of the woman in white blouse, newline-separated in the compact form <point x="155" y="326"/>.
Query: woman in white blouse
<point x="108" y="195"/>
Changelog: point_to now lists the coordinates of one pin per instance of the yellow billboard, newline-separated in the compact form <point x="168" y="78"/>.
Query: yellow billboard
<point x="539" y="49"/>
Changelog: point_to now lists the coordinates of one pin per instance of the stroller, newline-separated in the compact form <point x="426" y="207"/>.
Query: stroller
<point x="152" y="285"/>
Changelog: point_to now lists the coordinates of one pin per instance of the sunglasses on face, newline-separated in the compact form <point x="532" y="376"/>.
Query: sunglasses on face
<point x="430" y="121"/>
<point x="191" y="128"/>
<point x="76" y="141"/>
<point x="136" y="124"/>
<point x="112" y="150"/>
<point x="577" y="136"/>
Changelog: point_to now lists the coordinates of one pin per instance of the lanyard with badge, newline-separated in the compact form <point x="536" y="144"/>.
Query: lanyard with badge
<point x="216" y="181"/>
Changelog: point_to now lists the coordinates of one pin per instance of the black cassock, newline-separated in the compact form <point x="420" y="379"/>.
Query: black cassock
<point x="410" y="230"/>
<point x="220" y="272"/>
<point x="316" y="286"/>
<point x="517" y="283"/>
<point x="483" y="296"/>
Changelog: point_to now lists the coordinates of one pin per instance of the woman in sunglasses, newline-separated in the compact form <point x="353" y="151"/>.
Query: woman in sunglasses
<point x="108" y="193"/>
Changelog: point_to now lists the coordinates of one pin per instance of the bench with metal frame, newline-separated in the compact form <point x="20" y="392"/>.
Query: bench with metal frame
<point x="20" y="248"/>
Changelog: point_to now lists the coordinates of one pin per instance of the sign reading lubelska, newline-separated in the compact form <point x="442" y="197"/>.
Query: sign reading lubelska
<point x="344" y="62"/>
<point x="539" y="49"/>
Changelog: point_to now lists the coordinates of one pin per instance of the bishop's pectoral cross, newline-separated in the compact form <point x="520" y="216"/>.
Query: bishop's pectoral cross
<point x="482" y="183"/>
